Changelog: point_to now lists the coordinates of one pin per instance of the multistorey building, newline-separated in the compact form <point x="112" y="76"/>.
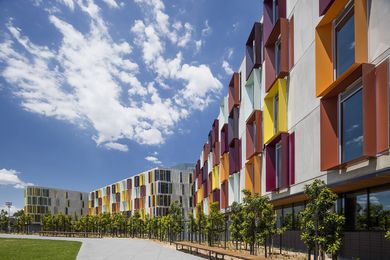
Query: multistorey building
<point x="150" y="193"/>
<point x="39" y="201"/>
<point x="309" y="101"/>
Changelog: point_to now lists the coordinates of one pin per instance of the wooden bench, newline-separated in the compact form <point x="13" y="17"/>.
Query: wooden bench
<point x="214" y="251"/>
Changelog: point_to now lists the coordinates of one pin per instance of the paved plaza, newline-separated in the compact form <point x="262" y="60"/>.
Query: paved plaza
<point x="118" y="248"/>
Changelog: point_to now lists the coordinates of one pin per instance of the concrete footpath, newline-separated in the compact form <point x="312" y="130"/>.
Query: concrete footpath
<point x="118" y="248"/>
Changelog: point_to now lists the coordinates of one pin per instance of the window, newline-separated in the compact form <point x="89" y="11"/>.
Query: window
<point x="379" y="209"/>
<point x="356" y="211"/>
<point x="278" y="164"/>
<point x="275" y="11"/>
<point x="181" y="177"/>
<point x="66" y="211"/>
<point x="351" y="116"/>
<point x="276" y="112"/>
<point x="344" y="31"/>
<point x="277" y="56"/>
<point x="190" y="178"/>
<point x="288" y="218"/>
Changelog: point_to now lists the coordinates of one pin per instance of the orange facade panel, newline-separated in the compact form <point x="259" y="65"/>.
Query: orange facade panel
<point x="224" y="173"/>
<point x="252" y="175"/>
<point x="324" y="41"/>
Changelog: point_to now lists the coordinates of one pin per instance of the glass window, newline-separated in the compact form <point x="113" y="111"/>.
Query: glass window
<point x="287" y="218"/>
<point x="351" y="124"/>
<point x="276" y="112"/>
<point x="254" y="51"/>
<point x="277" y="56"/>
<point x="356" y="211"/>
<point x="279" y="217"/>
<point x="379" y="209"/>
<point x="275" y="11"/>
<point x="297" y="209"/>
<point x="344" y="41"/>
<point x="278" y="164"/>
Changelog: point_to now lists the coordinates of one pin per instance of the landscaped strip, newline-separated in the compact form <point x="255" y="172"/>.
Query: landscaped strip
<point x="17" y="248"/>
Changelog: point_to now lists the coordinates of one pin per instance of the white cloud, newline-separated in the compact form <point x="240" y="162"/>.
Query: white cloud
<point x="230" y="52"/>
<point x="153" y="159"/>
<point x="207" y="30"/>
<point x="198" y="45"/>
<point x="111" y="3"/>
<point x="10" y="178"/>
<point x="116" y="146"/>
<point x="227" y="68"/>
<point x="91" y="80"/>
<point x="68" y="3"/>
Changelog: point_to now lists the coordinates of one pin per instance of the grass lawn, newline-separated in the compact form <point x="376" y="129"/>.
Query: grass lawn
<point x="19" y="248"/>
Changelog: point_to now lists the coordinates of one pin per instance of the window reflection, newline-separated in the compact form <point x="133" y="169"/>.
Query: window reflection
<point x="352" y="125"/>
<point x="345" y="41"/>
<point x="379" y="209"/>
<point x="356" y="211"/>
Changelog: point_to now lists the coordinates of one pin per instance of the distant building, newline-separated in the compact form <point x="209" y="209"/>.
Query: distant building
<point x="39" y="201"/>
<point x="150" y="193"/>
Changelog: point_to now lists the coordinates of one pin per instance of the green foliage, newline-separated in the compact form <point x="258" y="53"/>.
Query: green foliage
<point x="319" y="223"/>
<point x="215" y="222"/>
<point x="175" y="217"/>
<point x="3" y="220"/>
<point x="201" y="221"/>
<point x="259" y="219"/>
<point x="237" y="218"/>
<point x="387" y="234"/>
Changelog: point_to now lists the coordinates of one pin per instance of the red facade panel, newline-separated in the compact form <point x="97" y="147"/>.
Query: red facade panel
<point x="280" y="32"/>
<point x="291" y="43"/>
<point x="217" y="197"/>
<point x="254" y="137"/>
<point x="216" y="154"/>
<point x="270" y="178"/>
<point x="234" y="91"/>
<point x="224" y="195"/>
<point x="235" y="156"/>
<point x="324" y="6"/>
<point x="224" y="139"/>
<point x="143" y="191"/>
<point x="382" y="106"/>
<point x="129" y="184"/>
<point x="253" y="49"/>
<point x="205" y="152"/>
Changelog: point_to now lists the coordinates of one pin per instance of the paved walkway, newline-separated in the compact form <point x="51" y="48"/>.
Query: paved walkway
<point x="118" y="248"/>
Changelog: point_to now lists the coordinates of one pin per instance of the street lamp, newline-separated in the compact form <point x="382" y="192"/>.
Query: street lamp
<point x="9" y="204"/>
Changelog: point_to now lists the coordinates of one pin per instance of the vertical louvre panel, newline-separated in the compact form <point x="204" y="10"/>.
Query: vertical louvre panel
<point x="369" y="105"/>
<point x="292" y="158"/>
<point x="329" y="134"/>
<point x="382" y="106"/>
<point x="291" y="42"/>
<point x="270" y="181"/>
<point x="285" y="160"/>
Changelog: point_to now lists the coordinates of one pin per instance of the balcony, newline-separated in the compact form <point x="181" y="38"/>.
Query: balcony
<point x="280" y="162"/>
<point x="253" y="49"/>
<point x="272" y="12"/>
<point x="224" y="139"/>
<point x="233" y="124"/>
<point x="276" y="53"/>
<point x="374" y="124"/>
<point x="275" y="111"/>
<point x="254" y="138"/>
<point x="326" y="80"/>
<point x="234" y="91"/>
<point x="235" y="157"/>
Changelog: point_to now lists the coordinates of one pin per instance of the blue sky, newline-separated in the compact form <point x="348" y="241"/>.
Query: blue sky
<point x="94" y="91"/>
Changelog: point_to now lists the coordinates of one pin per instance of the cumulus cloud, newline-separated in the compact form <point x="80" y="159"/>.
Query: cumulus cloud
<point x="153" y="159"/>
<point x="92" y="80"/>
<point x="10" y="178"/>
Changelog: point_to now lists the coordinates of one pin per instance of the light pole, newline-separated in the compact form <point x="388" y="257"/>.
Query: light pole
<point x="9" y="204"/>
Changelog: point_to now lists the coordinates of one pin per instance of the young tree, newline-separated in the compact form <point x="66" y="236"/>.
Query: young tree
<point x="259" y="220"/>
<point x="201" y="222"/>
<point x="215" y="223"/>
<point x="321" y="226"/>
<point x="236" y="225"/>
<point x="3" y="220"/>
<point x="192" y="227"/>
<point x="175" y="217"/>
